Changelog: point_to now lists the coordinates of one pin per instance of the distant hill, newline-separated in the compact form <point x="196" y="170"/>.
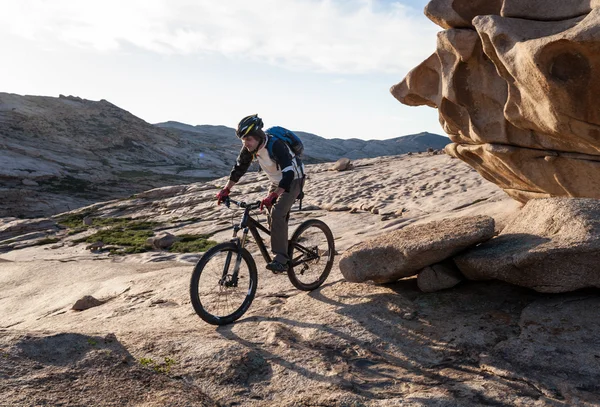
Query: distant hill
<point x="319" y="149"/>
<point x="57" y="154"/>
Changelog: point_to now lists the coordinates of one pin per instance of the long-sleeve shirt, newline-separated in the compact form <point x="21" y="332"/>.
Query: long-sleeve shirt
<point x="281" y="169"/>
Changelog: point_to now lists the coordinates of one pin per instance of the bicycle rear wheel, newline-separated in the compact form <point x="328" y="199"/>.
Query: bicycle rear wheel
<point x="311" y="251"/>
<point x="219" y="296"/>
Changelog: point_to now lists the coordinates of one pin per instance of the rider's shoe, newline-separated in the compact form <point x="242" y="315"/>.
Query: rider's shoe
<point x="277" y="267"/>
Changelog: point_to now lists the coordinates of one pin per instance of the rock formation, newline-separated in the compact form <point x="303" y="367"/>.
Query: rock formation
<point x="553" y="245"/>
<point x="404" y="252"/>
<point x="514" y="83"/>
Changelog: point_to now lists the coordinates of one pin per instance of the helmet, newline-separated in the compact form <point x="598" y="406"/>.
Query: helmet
<point x="248" y="124"/>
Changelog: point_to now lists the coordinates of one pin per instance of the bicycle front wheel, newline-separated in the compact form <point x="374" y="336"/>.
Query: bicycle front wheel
<point x="311" y="250"/>
<point x="221" y="294"/>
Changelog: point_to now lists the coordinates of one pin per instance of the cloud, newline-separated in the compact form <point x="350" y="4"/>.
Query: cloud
<point x="315" y="35"/>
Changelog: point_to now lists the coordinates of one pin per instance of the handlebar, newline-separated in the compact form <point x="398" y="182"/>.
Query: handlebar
<point x="252" y="205"/>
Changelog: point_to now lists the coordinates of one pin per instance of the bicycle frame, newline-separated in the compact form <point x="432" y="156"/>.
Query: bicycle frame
<point x="253" y="226"/>
<point x="246" y="224"/>
<point x="249" y="224"/>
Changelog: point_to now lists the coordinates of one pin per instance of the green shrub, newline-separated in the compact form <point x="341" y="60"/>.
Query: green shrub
<point x="73" y="220"/>
<point x="192" y="244"/>
<point x="132" y="235"/>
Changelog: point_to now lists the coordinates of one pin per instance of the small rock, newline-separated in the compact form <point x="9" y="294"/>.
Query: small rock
<point x="87" y="221"/>
<point x="161" y="241"/>
<point x="86" y="302"/>
<point x="342" y="164"/>
<point x="439" y="276"/>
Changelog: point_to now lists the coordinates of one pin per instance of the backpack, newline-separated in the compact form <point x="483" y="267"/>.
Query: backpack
<point x="288" y="136"/>
<point x="294" y="143"/>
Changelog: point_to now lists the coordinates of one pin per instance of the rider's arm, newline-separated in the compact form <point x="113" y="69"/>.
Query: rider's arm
<point x="230" y="185"/>
<point x="284" y="159"/>
<point x="241" y="166"/>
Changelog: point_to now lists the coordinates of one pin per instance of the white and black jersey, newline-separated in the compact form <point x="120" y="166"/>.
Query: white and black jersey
<point x="281" y="165"/>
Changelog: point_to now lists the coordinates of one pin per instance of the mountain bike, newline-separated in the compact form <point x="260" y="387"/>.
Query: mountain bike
<point x="224" y="280"/>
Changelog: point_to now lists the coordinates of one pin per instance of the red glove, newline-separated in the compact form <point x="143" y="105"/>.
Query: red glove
<point x="269" y="201"/>
<point x="224" y="193"/>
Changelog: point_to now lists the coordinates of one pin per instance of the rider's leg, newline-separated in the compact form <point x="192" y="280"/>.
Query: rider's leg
<point x="279" y="222"/>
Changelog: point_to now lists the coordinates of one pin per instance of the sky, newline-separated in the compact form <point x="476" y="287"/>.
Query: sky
<point x="319" y="66"/>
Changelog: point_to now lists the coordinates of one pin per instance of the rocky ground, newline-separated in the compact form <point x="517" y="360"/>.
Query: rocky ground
<point x="344" y="344"/>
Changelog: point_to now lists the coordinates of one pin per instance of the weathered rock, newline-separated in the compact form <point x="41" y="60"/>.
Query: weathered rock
<point x="553" y="245"/>
<point x="460" y="13"/>
<point x="517" y="97"/>
<point x="547" y="10"/>
<point x="86" y="302"/>
<point x="17" y="227"/>
<point x="439" y="276"/>
<point x="404" y="252"/>
<point x="342" y="164"/>
<point x="162" y="240"/>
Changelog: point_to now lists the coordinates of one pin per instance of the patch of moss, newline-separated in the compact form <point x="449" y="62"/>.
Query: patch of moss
<point x="73" y="220"/>
<point x="192" y="244"/>
<point x="129" y="234"/>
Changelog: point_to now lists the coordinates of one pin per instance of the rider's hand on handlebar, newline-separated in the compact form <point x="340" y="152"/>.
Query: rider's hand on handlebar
<point x="269" y="201"/>
<point x="224" y="193"/>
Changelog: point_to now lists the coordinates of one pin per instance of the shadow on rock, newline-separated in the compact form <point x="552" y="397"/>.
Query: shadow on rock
<point x="68" y="348"/>
<point x="75" y="369"/>
<point x="516" y="341"/>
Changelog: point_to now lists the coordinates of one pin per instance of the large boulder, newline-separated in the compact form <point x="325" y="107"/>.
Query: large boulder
<point x="517" y="96"/>
<point x="553" y="245"/>
<point x="404" y="252"/>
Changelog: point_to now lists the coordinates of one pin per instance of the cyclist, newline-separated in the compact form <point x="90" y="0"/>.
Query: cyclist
<point x="284" y="170"/>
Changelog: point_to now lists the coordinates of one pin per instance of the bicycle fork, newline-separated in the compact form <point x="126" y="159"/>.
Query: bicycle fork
<point x="231" y="280"/>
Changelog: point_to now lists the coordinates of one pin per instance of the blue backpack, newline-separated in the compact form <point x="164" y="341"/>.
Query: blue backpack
<point x="287" y="136"/>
